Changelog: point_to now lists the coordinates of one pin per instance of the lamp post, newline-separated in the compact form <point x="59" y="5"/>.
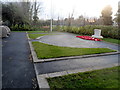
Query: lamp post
<point x="119" y="14"/>
<point x="51" y="18"/>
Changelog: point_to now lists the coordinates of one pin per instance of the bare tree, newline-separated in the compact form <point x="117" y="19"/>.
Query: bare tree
<point x="37" y="8"/>
<point x="118" y="16"/>
<point x="26" y="6"/>
<point x="106" y="15"/>
<point x="70" y="18"/>
<point x="31" y="13"/>
<point x="58" y="21"/>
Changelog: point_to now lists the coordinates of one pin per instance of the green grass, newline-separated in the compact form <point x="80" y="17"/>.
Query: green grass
<point x="116" y="41"/>
<point x="36" y="31"/>
<point x="104" y="78"/>
<point x="50" y="51"/>
<point x="34" y="36"/>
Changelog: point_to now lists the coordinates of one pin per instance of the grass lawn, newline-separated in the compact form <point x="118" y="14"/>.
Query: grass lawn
<point x="36" y="31"/>
<point x="104" y="78"/>
<point x="50" y="51"/>
<point x="34" y="36"/>
<point x="111" y="40"/>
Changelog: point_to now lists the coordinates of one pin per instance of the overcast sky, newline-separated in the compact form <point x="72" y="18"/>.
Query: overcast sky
<point x="88" y="8"/>
<point x="62" y="8"/>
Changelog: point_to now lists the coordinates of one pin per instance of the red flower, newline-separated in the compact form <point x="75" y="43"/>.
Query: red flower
<point x="88" y="38"/>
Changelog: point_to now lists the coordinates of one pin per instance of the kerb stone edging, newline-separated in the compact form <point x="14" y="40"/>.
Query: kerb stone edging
<point x="42" y="82"/>
<point x="34" y="56"/>
<point x="77" y="57"/>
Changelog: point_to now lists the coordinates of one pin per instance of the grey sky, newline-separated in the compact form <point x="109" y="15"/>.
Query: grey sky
<point x="62" y="8"/>
<point x="88" y="8"/>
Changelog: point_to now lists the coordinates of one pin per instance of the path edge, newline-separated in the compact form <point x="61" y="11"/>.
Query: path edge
<point x="42" y="82"/>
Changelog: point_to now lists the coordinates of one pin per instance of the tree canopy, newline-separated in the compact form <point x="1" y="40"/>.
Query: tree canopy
<point x="19" y="12"/>
<point x="106" y="15"/>
<point x="118" y="14"/>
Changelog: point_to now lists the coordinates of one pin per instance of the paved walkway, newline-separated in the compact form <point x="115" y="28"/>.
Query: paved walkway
<point x="17" y="69"/>
<point x="63" y="65"/>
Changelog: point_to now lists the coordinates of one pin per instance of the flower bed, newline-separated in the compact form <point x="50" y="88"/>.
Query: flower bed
<point x="89" y="38"/>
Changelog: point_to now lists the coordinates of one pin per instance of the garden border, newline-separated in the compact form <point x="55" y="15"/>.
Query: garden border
<point x="76" y="57"/>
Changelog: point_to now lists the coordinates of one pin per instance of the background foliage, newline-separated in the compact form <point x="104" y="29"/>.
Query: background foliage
<point x="106" y="31"/>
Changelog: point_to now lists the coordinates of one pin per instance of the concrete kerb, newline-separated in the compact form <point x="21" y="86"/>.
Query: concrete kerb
<point x="39" y="37"/>
<point x="75" y="57"/>
<point x="62" y="73"/>
<point x="34" y="58"/>
<point x="42" y="82"/>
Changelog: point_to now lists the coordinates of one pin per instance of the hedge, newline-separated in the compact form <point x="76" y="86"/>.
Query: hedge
<point x="29" y="28"/>
<point x="106" y="31"/>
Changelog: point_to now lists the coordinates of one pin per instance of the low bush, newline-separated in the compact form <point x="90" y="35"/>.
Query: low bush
<point x="20" y="28"/>
<point x="29" y="28"/>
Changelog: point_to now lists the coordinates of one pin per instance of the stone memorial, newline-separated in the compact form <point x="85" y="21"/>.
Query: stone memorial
<point x="97" y="33"/>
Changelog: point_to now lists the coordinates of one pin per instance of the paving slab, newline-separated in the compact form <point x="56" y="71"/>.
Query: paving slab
<point x="42" y="82"/>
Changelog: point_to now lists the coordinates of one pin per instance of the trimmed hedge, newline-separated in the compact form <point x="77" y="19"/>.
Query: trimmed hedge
<point x="106" y="31"/>
<point x="20" y="28"/>
<point x="28" y="28"/>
